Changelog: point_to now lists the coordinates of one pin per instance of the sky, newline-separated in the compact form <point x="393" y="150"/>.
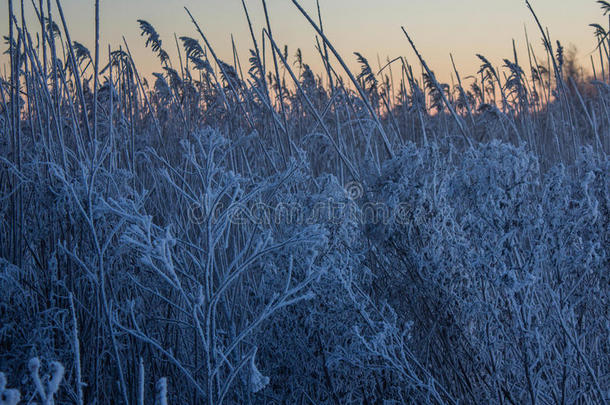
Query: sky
<point x="373" y="28"/>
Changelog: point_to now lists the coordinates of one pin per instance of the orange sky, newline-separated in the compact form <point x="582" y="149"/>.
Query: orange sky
<point x="438" y="27"/>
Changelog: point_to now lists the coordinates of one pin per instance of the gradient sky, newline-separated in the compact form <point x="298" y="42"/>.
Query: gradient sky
<point x="438" y="27"/>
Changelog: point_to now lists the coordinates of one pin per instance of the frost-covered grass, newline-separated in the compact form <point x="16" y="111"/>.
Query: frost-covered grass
<point x="256" y="233"/>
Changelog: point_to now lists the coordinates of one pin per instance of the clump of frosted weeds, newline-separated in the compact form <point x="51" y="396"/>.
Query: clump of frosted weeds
<point x="8" y="396"/>
<point x="57" y="375"/>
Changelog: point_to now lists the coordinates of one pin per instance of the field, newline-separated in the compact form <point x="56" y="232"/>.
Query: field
<point x="254" y="232"/>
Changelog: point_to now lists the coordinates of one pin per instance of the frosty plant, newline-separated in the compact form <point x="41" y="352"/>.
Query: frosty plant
<point x="46" y="394"/>
<point x="206" y="271"/>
